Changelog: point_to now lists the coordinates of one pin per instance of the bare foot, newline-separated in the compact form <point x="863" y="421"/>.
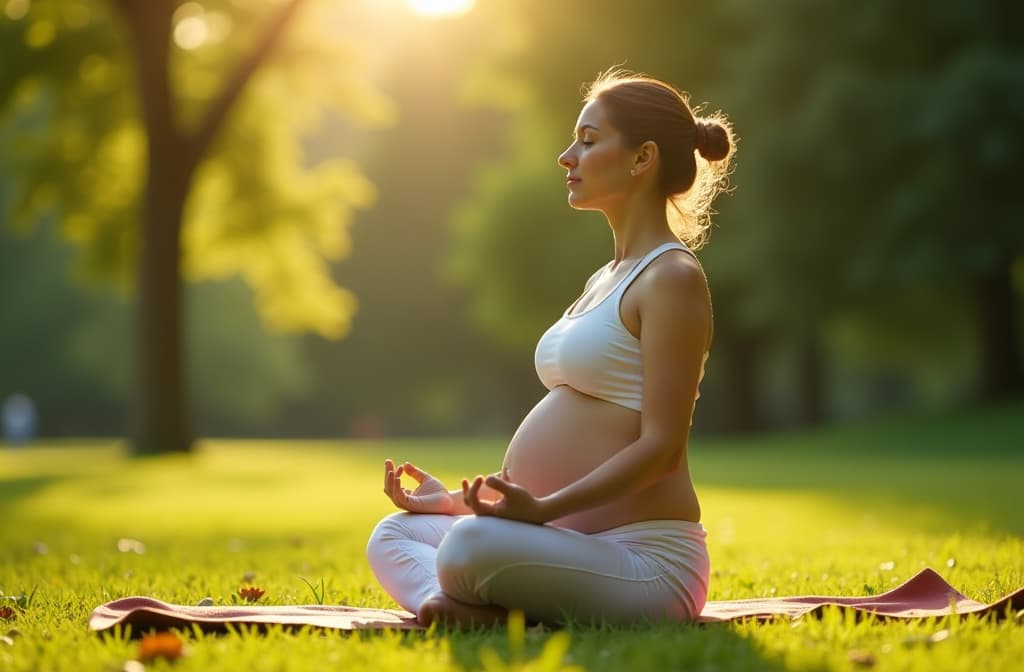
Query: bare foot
<point x="445" y="611"/>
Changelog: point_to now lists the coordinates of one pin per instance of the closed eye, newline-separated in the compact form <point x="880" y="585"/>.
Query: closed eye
<point x="580" y="134"/>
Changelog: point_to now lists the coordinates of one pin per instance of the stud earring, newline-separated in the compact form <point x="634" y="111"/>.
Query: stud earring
<point x="633" y="172"/>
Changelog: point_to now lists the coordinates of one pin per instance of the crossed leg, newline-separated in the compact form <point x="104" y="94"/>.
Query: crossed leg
<point x="471" y="570"/>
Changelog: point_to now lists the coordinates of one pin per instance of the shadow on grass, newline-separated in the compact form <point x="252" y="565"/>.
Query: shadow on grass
<point x="642" y="647"/>
<point x="16" y="489"/>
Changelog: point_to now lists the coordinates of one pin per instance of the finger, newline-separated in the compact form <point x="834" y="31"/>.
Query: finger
<point x="469" y="495"/>
<point x="415" y="472"/>
<point x="389" y="466"/>
<point x="394" y="486"/>
<point x="479" y="508"/>
<point x="501" y="485"/>
<point x="395" y="489"/>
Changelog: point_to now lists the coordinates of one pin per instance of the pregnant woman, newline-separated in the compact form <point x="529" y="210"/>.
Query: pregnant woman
<point x="593" y="513"/>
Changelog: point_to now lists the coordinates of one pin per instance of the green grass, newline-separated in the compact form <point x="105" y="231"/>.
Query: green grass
<point x="854" y="510"/>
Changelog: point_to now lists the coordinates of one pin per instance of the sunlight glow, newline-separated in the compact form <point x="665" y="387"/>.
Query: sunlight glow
<point x="195" y="27"/>
<point x="16" y="9"/>
<point x="190" y="33"/>
<point x="190" y="29"/>
<point x="441" y="8"/>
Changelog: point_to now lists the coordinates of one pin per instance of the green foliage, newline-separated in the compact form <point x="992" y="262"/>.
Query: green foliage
<point x="259" y="208"/>
<point x="519" y="247"/>
<point x="239" y="373"/>
<point x="65" y="345"/>
<point x="878" y="149"/>
<point x="525" y="258"/>
<point x="877" y="146"/>
<point x="852" y="511"/>
<point x="413" y="363"/>
<point x="69" y="122"/>
<point x="319" y="594"/>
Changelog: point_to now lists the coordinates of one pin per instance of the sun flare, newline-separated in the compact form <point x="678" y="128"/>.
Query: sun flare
<point x="441" y="8"/>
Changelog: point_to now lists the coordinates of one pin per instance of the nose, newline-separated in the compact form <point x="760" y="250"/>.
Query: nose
<point x="566" y="159"/>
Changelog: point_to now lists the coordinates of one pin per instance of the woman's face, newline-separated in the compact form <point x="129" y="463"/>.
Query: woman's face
<point x="597" y="162"/>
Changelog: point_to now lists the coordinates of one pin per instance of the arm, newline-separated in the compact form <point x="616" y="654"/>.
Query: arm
<point x="675" y="316"/>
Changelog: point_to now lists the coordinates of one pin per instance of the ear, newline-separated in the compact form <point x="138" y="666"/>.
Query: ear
<point x="646" y="157"/>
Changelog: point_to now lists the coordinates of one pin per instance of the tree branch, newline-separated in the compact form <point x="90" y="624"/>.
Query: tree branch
<point x="219" y="108"/>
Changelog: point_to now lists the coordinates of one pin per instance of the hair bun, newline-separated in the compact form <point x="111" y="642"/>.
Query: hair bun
<point x="711" y="140"/>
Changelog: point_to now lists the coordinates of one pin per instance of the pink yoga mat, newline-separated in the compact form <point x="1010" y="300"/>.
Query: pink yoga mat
<point x="924" y="595"/>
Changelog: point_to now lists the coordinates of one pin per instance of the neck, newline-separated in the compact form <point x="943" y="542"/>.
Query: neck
<point x="639" y="226"/>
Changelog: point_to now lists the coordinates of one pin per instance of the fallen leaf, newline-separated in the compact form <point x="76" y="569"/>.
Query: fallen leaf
<point x="250" y="593"/>
<point x="160" y="645"/>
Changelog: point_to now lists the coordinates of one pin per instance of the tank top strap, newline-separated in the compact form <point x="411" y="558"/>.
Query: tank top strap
<point x="646" y="261"/>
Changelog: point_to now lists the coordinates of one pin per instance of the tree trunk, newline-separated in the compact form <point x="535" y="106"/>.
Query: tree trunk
<point x="162" y="423"/>
<point x="162" y="420"/>
<point x="810" y="383"/>
<point x="739" y="402"/>
<point x="1001" y="373"/>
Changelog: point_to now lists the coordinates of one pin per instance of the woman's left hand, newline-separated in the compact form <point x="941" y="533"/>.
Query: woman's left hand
<point x="516" y="502"/>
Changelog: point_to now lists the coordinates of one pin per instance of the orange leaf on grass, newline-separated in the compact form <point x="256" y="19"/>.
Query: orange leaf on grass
<point x="160" y="645"/>
<point x="250" y="593"/>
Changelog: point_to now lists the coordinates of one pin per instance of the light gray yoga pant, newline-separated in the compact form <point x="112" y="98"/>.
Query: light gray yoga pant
<point x="654" y="570"/>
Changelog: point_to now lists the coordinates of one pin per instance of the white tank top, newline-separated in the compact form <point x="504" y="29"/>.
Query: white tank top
<point x="593" y="352"/>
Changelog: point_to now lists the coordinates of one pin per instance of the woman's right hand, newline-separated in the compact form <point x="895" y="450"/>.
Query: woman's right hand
<point x="430" y="496"/>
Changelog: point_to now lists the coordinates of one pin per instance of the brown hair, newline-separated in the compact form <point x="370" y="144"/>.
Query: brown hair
<point x="643" y="108"/>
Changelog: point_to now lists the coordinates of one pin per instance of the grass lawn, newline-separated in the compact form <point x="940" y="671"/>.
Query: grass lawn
<point x="853" y="511"/>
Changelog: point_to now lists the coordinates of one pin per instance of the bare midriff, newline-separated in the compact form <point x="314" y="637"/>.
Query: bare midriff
<point x="566" y="436"/>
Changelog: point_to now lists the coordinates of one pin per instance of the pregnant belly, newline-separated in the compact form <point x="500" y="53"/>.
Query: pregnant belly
<point x="566" y="436"/>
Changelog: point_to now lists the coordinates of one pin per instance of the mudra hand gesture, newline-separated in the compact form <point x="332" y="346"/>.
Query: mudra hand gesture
<point x="515" y="502"/>
<point x="430" y="496"/>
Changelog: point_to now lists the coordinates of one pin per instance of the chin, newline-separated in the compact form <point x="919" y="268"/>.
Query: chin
<point x="577" y="203"/>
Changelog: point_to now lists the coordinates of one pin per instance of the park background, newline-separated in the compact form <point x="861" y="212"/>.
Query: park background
<point x="373" y="233"/>
<point x="377" y="233"/>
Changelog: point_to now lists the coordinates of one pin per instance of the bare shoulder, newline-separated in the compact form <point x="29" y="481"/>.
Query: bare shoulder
<point x="675" y="296"/>
<point x="675" y="277"/>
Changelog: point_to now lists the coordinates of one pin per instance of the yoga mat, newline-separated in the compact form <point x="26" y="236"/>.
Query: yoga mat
<point x="923" y="595"/>
<point x="926" y="594"/>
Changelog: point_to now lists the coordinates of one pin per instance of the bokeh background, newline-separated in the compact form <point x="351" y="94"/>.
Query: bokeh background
<point x="377" y="233"/>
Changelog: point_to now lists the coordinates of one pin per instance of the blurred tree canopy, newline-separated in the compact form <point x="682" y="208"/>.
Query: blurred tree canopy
<point x="870" y="257"/>
<point x="118" y="114"/>
<point x="877" y="147"/>
<point x="879" y="144"/>
<point x="64" y="345"/>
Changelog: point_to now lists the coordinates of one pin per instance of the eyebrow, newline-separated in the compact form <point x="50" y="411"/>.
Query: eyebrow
<point x="583" y="128"/>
